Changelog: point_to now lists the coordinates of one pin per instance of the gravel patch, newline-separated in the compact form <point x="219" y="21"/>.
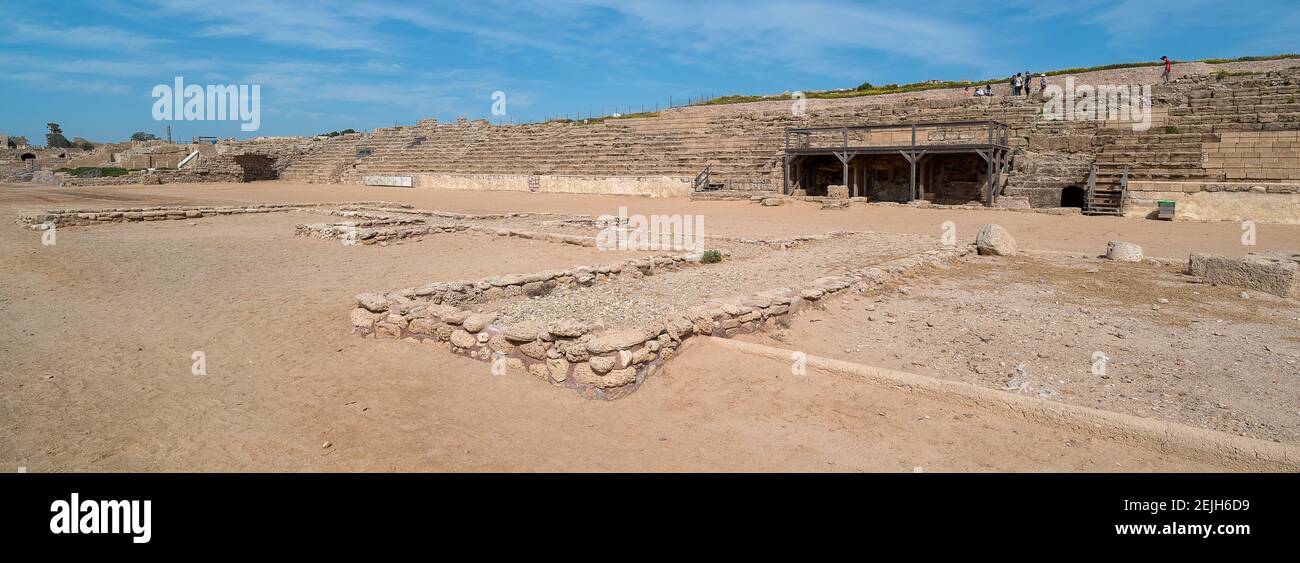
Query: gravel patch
<point x="749" y="268"/>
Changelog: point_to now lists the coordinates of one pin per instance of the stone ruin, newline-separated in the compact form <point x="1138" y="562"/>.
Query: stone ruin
<point x="1221" y="147"/>
<point x="1276" y="273"/>
<point x="1206" y="133"/>
<point x="594" y="358"/>
<point x="598" y="362"/>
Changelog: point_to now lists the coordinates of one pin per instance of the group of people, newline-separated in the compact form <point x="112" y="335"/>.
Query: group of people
<point x="1022" y="84"/>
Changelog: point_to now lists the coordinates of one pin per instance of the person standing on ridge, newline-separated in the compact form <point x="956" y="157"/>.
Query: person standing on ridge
<point x="1169" y="68"/>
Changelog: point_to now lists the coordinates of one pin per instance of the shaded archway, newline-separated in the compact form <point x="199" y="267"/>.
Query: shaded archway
<point x="883" y="177"/>
<point x="954" y="179"/>
<point x="28" y="156"/>
<point x="256" y="167"/>
<point x="1073" y="196"/>
<point x="814" y="173"/>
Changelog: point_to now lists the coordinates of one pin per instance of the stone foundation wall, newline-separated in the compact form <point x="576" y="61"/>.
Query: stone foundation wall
<point x="599" y="364"/>
<point x="79" y="217"/>
<point x="653" y="186"/>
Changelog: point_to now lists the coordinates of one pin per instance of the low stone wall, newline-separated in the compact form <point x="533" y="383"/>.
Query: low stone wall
<point x="1217" y="201"/>
<point x="73" y="217"/>
<point x="153" y="178"/>
<point x="598" y="362"/>
<point x="80" y="181"/>
<point x="564" y="353"/>
<point x="652" y="186"/>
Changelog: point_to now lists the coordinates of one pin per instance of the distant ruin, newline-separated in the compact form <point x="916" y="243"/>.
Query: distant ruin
<point x="1220" y="147"/>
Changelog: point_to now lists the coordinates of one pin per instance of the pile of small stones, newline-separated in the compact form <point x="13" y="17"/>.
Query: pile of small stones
<point x="378" y="231"/>
<point x="380" y="225"/>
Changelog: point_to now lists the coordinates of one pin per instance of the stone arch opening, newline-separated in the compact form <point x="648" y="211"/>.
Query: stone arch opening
<point x="1073" y="196"/>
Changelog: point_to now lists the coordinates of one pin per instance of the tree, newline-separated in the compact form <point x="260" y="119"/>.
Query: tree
<point x="55" y="139"/>
<point x="142" y="136"/>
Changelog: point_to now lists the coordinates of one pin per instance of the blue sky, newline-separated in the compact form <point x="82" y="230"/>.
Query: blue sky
<point x="329" y="65"/>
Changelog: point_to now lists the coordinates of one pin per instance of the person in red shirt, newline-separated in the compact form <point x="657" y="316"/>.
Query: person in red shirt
<point x="1169" y="67"/>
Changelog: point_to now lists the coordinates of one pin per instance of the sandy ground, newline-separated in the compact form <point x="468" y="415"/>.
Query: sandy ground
<point x="100" y="330"/>
<point x="1034" y="231"/>
<point x="1205" y="357"/>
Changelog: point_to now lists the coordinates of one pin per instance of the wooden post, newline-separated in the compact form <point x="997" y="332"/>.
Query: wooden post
<point x="785" y="177"/>
<point x="844" y="160"/>
<point x="990" y="157"/>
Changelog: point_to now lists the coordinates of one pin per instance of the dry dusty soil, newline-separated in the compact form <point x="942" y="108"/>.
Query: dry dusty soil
<point x="1174" y="349"/>
<point x="100" y="332"/>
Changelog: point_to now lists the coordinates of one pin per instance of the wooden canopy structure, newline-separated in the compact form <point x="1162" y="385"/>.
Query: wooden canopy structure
<point x="913" y="141"/>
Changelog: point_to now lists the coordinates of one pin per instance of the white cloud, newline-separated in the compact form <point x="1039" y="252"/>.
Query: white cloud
<point x="818" y="37"/>
<point x="51" y="81"/>
<point x="82" y="37"/>
<point x="329" y="26"/>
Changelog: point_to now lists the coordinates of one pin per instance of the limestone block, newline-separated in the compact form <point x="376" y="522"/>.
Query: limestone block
<point x="994" y="240"/>
<point x="1277" y="273"/>
<point x="476" y="322"/>
<point x="1121" y="251"/>
<point x="374" y="302"/>
<point x="558" y="368"/>
<point x="615" y="340"/>
<point x="463" y="339"/>
<point x="361" y="318"/>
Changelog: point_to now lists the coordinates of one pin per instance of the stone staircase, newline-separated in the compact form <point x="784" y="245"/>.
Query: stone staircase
<point x="742" y="145"/>
<point x="738" y="148"/>
<point x="326" y="163"/>
<point x="1243" y="128"/>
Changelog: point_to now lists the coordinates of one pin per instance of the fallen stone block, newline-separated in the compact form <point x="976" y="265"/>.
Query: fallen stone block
<point x="1277" y="273"/>
<point x="1121" y="251"/>
<point x="994" y="240"/>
